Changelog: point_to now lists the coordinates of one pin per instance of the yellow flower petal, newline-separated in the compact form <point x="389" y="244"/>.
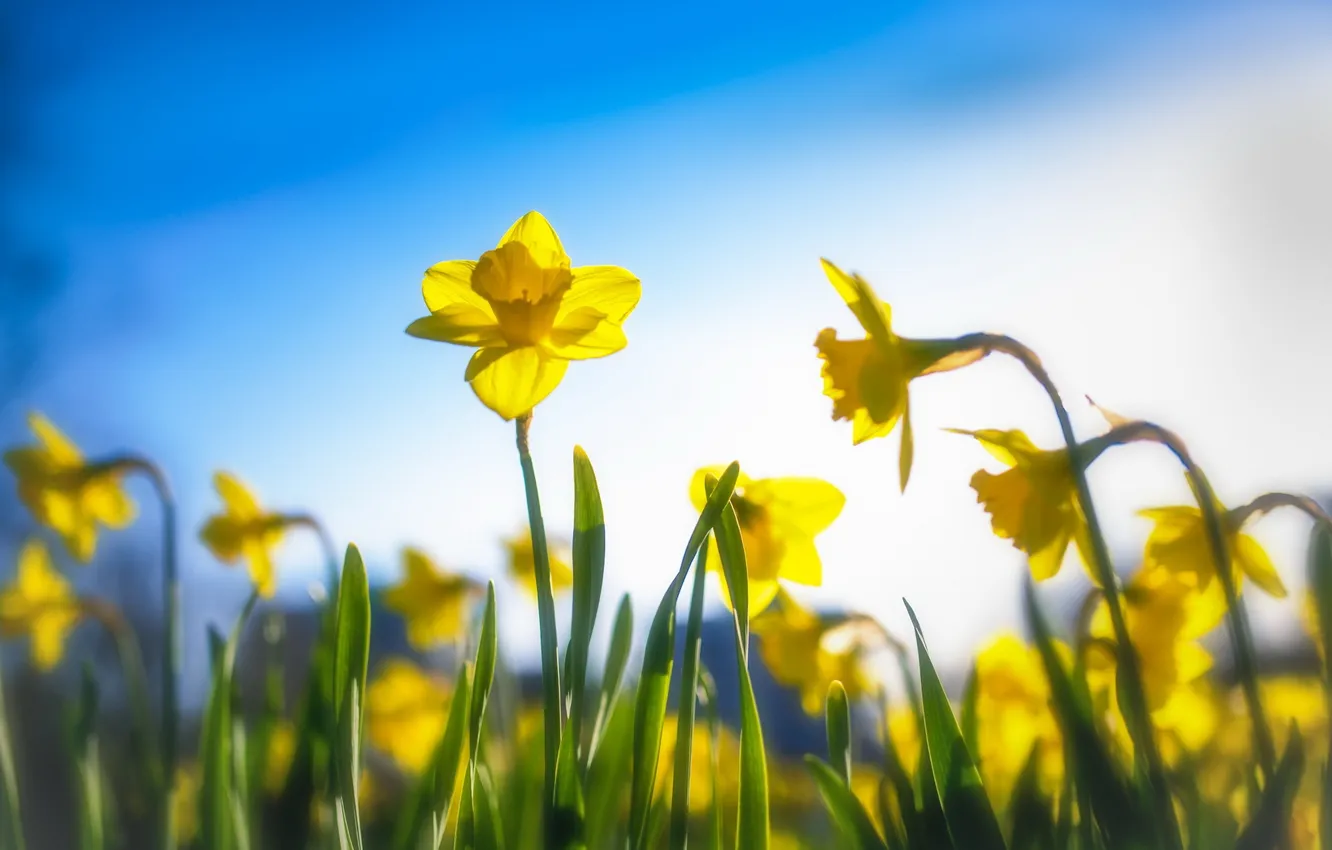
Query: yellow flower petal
<point x="849" y="366"/>
<point x="1008" y="447"/>
<point x="807" y="504"/>
<point x="107" y="501"/>
<point x="859" y="297"/>
<point x="1256" y="564"/>
<point x="536" y="234"/>
<point x="260" y="563"/>
<point x="449" y="284"/>
<point x="800" y="562"/>
<point x="610" y="290"/>
<point x="459" y="326"/>
<point x="512" y="381"/>
<point x="58" y="447"/>
<point x="698" y="495"/>
<point x="239" y="501"/>
<point x="48" y="638"/>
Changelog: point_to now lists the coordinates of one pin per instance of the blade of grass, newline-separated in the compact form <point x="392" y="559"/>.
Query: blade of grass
<point x="837" y="720"/>
<point x="486" y="817"/>
<point x="430" y="798"/>
<point x="589" y="567"/>
<point x="658" y="660"/>
<point x="1270" y="827"/>
<point x="685" y="710"/>
<point x="608" y="772"/>
<point x="844" y="807"/>
<point x="487" y="650"/>
<point x="567" y="822"/>
<point x="617" y="658"/>
<point x="971" y="820"/>
<point x="351" y="657"/>
<point x="218" y="826"/>
<point x="1033" y="817"/>
<point x="11" y="815"/>
<point x="708" y="692"/>
<point x="88" y="765"/>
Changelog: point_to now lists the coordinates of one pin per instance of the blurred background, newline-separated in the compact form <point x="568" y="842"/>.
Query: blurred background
<point x="215" y="220"/>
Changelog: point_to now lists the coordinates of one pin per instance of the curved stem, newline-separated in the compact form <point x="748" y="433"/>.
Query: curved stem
<point x="1237" y="619"/>
<point x="332" y="560"/>
<point x="1127" y="657"/>
<point x="550" y="661"/>
<point x="1271" y="501"/>
<point x="136" y="682"/>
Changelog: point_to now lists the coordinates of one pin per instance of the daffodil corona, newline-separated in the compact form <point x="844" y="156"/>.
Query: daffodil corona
<point x="243" y="529"/>
<point x="432" y="602"/>
<point x="779" y="519"/>
<point x="1178" y="542"/>
<point x="64" y="492"/>
<point x="39" y="605"/>
<point x="528" y="312"/>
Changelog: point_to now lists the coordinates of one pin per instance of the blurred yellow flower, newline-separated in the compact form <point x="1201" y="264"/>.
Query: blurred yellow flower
<point x="527" y="312"/>
<point x="1162" y="613"/>
<point x="867" y="378"/>
<point x="522" y="563"/>
<point x="904" y="732"/>
<point x="66" y="494"/>
<point x="282" y="742"/>
<point x="1013" y="716"/>
<point x="804" y="652"/>
<point x="185" y="804"/>
<point x="1178" y="542"/>
<point x="779" y="519"/>
<point x="700" y="765"/>
<point x="433" y="603"/>
<point x="39" y="605"/>
<point x="1034" y="503"/>
<point x="243" y="529"/>
<point x="406" y="709"/>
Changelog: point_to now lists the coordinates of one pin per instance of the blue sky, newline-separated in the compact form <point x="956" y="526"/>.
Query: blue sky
<point x="241" y="201"/>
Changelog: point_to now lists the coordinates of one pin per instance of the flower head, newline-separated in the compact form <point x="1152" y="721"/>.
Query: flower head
<point x="528" y="312"/>
<point x="867" y="378"/>
<point x="434" y="603"/>
<point x="406" y="709"/>
<point x="779" y="519"/>
<point x="1033" y="503"/>
<point x="522" y="563"/>
<point x="40" y="605"/>
<point x="806" y="652"/>
<point x="64" y="492"/>
<point x="1014" y="716"/>
<point x="243" y="529"/>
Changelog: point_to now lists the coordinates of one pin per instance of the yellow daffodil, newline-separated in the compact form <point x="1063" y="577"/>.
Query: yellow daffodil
<point x="904" y="732"/>
<point x="406" y="709"/>
<point x="522" y="563"/>
<point x="39" y="605"/>
<point x="779" y="519"/>
<point x="1034" y="503"/>
<point x="700" y="764"/>
<point x="528" y="312"/>
<point x="65" y="493"/>
<point x="243" y="529"/>
<point x="1178" y="542"/>
<point x="185" y="804"/>
<point x="1163" y="616"/>
<point x="434" y="603"/>
<point x="867" y="378"/>
<point x="282" y="740"/>
<point x="804" y="652"/>
<point x="1014" y="716"/>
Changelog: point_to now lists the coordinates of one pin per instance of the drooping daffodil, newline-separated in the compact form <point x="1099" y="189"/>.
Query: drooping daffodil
<point x="405" y="710"/>
<point x="867" y="378"/>
<point x="433" y="603"/>
<point x="807" y="652"/>
<point x="522" y="562"/>
<point x="1014" y="715"/>
<point x="40" y="605"/>
<point x="779" y="519"/>
<point x="528" y="311"/>
<point x="245" y="529"/>
<point x="66" y="493"/>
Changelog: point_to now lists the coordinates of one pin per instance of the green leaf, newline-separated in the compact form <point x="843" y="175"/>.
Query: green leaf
<point x="1270" y="826"/>
<point x="837" y="719"/>
<point x="567" y="822"/>
<point x="11" y="820"/>
<point x="88" y="765"/>
<point x="589" y="567"/>
<point x="351" y="655"/>
<point x="708" y="692"/>
<point x="971" y="821"/>
<point x="1320" y="586"/>
<point x="218" y="822"/>
<point x="489" y="827"/>
<point x="970" y="720"/>
<point x="473" y="813"/>
<point x="1120" y="814"/>
<point x="608" y="772"/>
<point x="658" y="661"/>
<point x="428" y="805"/>
<point x="617" y="658"/>
<point x="752" y="831"/>
<point x="843" y="806"/>
<point x="1033" y="816"/>
<point x="685" y="711"/>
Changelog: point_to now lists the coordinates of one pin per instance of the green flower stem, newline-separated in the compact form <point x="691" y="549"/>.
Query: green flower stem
<point x="136" y="684"/>
<point x="550" y="660"/>
<point x="686" y="711"/>
<point x="332" y="558"/>
<point x="1145" y="749"/>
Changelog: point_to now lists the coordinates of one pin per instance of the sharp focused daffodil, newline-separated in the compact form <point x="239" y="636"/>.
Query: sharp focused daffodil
<point x="528" y="312"/>
<point x="405" y="711"/>
<point x="1033" y="503"/>
<point x="65" y="493"/>
<point x="40" y="605"/>
<point x="779" y="519"/>
<point x="522" y="563"/>
<point x="805" y="652"/>
<point x="434" y="603"/>
<point x="867" y="378"/>
<point x="244" y="529"/>
<point x="1014" y="716"/>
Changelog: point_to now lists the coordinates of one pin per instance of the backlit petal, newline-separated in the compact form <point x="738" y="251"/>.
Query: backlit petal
<point x="260" y="563"/>
<point x="585" y="334"/>
<point x="800" y="562"/>
<point x="698" y="495"/>
<point x="512" y="381"/>
<point x="239" y="501"/>
<point x="61" y="449"/>
<point x="1256" y="564"/>
<point x="48" y="637"/>
<point x="1008" y="447"/>
<point x="539" y="237"/>
<point x="449" y="285"/>
<point x="808" y="505"/>
<point x="858" y="295"/>
<point x="107" y="500"/>
<point x="460" y="325"/>
<point x="610" y="290"/>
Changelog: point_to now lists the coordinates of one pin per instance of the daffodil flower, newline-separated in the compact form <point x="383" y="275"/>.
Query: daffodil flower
<point x="64" y="492"/>
<point x="1178" y="542"/>
<point x="40" y="605"/>
<point x="867" y="378"/>
<point x="243" y="529"/>
<point x="1013" y="715"/>
<point x="434" y="603"/>
<point x="1033" y="503"/>
<point x="803" y="651"/>
<point x="405" y="710"/>
<point x="528" y="312"/>
<point x="779" y="519"/>
<point x="522" y="563"/>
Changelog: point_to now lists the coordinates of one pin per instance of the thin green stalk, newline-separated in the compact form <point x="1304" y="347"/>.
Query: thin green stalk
<point x="136" y="685"/>
<point x="550" y="662"/>
<point x="1145" y="746"/>
<point x="11" y="819"/>
<point x="685" y="712"/>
